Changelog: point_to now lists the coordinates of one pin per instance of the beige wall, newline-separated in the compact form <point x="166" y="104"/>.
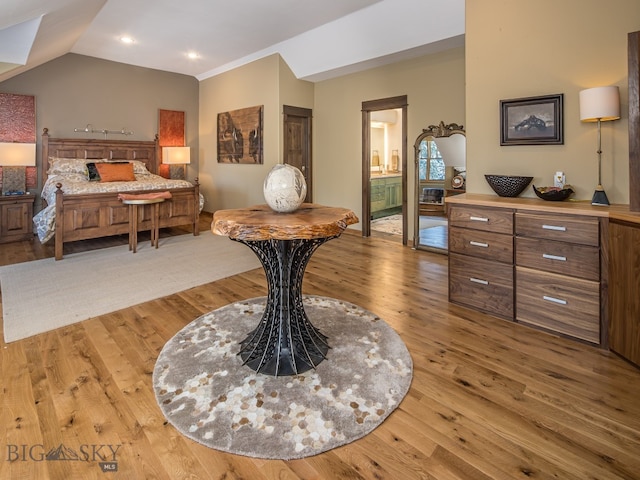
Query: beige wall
<point x="435" y="89"/>
<point x="293" y="93"/>
<point x="74" y="90"/>
<point x="434" y="86"/>
<point x="518" y="49"/>
<point x="513" y="49"/>
<point x="258" y="83"/>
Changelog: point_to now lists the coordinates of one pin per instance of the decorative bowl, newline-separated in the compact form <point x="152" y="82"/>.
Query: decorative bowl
<point x="553" y="194"/>
<point x="508" y="185"/>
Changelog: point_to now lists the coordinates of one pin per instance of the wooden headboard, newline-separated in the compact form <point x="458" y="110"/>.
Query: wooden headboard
<point x="94" y="148"/>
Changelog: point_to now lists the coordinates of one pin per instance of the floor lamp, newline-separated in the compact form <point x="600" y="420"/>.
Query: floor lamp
<point x="600" y="104"/>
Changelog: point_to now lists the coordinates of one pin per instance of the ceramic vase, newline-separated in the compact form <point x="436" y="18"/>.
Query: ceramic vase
<point x="284" y="188"/>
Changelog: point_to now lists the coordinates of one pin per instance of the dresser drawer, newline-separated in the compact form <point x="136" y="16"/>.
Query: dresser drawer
<point x="478" y="243"/>
<point x="497" y="220"/>
<point x="566" y="228"/>
<point x="559" y="257"/>
<point x="570" y="306"/>
<point x="481" y="284"/>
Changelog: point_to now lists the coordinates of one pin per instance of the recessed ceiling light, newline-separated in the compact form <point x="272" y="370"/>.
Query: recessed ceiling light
<point x="126" y="39"/>
<point x="192" y="55"/>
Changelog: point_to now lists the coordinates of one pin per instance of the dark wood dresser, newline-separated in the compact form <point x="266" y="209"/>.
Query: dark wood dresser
<point x="549" y="265"/>
<point x="624" y="286"/>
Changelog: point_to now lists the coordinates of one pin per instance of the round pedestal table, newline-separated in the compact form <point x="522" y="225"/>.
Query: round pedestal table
<point x="285" y="342"/>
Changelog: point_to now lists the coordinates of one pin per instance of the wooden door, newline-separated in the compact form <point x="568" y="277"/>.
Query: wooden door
<point x="297" y="142"/>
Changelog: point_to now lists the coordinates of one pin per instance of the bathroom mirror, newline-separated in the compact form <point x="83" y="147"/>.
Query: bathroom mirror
<point x="440" y="165"/>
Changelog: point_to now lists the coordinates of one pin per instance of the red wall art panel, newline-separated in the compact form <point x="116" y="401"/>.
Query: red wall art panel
<point x="18" y="124"/>
<point x="170" y="134"/>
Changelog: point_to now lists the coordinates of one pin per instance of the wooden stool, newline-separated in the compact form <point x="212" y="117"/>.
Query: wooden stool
<point x="134" y="204"/>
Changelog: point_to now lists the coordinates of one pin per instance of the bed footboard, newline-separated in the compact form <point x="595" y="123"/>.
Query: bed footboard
<point x="87" y="216"/>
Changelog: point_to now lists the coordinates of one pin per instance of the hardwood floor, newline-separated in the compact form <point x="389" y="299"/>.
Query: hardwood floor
<point x="490" y="399"/>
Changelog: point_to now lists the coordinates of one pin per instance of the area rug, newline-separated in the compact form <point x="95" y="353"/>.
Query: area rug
<point x="46" y="294"/>
<point x="391" y="224"/>
<point x="207" y="394"/>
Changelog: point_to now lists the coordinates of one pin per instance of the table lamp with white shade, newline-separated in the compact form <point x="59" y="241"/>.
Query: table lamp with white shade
<point x="600" y="104"/>
<point x="176" y="156"/>
<point x="14" y="158"/>
<point x="453" y="150"/>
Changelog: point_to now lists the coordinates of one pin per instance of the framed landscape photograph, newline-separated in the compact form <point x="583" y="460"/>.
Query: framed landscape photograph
<point x="532" y="121"/>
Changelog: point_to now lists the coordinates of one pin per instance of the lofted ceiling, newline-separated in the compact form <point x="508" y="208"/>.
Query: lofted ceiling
<point x="318" y="39"/>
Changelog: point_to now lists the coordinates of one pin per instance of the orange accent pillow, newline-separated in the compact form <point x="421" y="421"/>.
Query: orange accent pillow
<point x="116" y="172"/>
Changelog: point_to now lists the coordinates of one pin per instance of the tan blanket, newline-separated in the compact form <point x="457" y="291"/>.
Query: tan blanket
<point x="143" y="196"/>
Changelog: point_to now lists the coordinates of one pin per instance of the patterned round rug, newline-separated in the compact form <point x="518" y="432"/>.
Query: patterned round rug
<point x="207" y="394"/>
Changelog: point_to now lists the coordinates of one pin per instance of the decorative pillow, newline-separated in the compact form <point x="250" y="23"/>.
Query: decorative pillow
<point x="62" y="166"/>
<point x="140" y="168"/>
<point x="92" y="172"/>
<point x="115" y="172"/>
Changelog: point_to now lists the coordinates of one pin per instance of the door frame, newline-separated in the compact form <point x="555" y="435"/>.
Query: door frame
<point x="368" y="107"/>
<point x="307" y="115"/>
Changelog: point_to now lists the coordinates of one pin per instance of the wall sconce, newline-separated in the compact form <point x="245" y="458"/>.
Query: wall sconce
<point x="176" y="156"/>
<point x="600" y="104"/>
<point x="375" y="160"/>
<point x="395" y="160"/>
<point x="14" y="157"/>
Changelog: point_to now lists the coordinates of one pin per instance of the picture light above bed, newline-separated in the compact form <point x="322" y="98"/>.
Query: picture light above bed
<point x="89" y="129"/>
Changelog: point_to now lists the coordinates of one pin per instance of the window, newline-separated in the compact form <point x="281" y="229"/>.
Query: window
<point x="430" y="160"/>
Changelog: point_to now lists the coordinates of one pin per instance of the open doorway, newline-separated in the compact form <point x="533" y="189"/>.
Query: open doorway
<point x="384" y="164"/>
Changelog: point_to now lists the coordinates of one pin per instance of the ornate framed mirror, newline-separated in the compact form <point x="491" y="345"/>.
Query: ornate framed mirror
<point x="440" y="166"/>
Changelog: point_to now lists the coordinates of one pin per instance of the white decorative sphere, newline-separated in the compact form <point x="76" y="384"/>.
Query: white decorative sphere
<point x="284" y="188"/>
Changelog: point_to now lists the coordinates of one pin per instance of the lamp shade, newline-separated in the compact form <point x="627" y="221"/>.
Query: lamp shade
<point x="600" y="103"/>
<point x="17" y="154"/>
<point x="176" y="155"/>
<point x="453" y="150"/>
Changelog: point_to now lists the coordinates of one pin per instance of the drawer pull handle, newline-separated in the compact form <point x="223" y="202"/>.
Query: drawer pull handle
<point x="554" y="257"/>
<point x="477" y="280"/>
<point x="478" y="219"/>
<point x="554" y="300"/>
<point x="554" y="227"/>
<point x="478" y="244"/>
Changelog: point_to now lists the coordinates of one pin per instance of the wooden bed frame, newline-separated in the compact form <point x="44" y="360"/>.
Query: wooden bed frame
<point x="95" y="215"/>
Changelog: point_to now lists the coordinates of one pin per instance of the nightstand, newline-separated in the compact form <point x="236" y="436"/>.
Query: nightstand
<point x="16" y="217"/>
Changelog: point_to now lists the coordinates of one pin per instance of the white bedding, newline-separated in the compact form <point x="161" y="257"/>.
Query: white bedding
<point x="76" y="183"/>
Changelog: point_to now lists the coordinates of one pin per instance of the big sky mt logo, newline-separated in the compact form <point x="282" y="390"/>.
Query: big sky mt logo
<point x="105" y="455"/>
<point x="61" y="453"/>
